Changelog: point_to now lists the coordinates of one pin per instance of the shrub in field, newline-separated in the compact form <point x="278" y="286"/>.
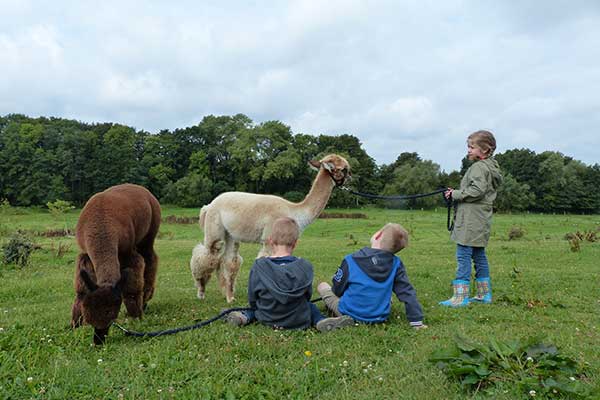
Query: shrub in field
<point x="515" y="232"/>
<point x="537" y="369"/>
<point x="574" y="243"/>
<point x="18" y="249"/>
<point x="59" y="207"/>
<point x="4" y="206"/>
<point x="590" y="236"/>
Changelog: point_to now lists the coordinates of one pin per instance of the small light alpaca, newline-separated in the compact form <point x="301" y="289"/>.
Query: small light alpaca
<point x="235" y="217"/>
<point x="117" y="263"/>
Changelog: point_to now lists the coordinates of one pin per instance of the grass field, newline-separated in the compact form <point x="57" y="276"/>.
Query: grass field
<point x="540" y="287"/>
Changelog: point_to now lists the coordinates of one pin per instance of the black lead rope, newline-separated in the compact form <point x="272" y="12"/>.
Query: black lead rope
<point x="189" y="327"/>
<point x="398" y="197"/>
<point x="449" y="202"/>
<point x="183" y="328"/>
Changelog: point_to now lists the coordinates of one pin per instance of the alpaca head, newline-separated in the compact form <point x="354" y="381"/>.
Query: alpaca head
<point x="101" y="305"/>
<point x="337" y="167"/>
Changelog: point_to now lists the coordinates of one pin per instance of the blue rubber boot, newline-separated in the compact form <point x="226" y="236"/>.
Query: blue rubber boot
<point x="461" y="295"/>
<point x="484" y="291"/>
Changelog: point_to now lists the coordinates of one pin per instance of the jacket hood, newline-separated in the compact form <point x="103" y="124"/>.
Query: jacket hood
<point x="288" y="282"/>
<point x="494" y="169"/>
<point x="374" y="262"/>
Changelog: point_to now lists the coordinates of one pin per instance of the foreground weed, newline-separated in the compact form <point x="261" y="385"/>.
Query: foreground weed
<point x="537" y="369"/>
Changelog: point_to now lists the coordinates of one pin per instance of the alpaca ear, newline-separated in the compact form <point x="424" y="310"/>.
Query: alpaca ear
<point x="91" y="285"/>
<point x="316" y="165"/>
<point x="328" y="166"/>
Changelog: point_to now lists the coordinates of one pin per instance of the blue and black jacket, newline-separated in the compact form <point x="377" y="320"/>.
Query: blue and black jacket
<point x="364" y="282"/>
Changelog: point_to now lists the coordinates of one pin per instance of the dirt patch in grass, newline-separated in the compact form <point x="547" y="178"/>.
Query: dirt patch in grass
<point x="326" y="215"/>
<point x="173" y="219"/>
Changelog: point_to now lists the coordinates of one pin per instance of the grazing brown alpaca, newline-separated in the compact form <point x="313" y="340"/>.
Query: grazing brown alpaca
<point x="117" y="263"/>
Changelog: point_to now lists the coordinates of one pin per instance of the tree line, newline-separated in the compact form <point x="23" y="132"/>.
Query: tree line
<point x="47" y="159"/>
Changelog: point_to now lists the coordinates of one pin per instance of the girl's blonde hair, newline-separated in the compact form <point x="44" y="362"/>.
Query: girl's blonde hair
<point x="485" y="140"/>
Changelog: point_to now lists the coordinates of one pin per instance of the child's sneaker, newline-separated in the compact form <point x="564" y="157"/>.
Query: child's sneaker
<point x="236" y="318"/>
<point x="330" y="324"/>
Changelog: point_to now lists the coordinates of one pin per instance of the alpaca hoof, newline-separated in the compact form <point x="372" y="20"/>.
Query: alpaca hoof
<point x="230" y="300"/>
<point x="200" y="295"/>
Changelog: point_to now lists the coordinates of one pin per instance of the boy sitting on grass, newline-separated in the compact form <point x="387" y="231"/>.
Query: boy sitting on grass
<point x="280" y="286"/>
<point x="363" y="284"/>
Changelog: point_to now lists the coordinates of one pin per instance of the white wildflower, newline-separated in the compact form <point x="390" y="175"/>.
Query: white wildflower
<point x="532" y="393"/>
<point x="29" y="379"/>
<point x="572" y="378"/>
<point x="100" y="361"/>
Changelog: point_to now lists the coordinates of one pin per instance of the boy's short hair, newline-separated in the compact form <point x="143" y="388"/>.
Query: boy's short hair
<point x="485" y="140"/>
<point x="284" y="232"/>
<point x="394" y="238"/>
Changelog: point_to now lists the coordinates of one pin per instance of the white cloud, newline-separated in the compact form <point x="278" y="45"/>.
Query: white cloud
<point x="401" y="76"/>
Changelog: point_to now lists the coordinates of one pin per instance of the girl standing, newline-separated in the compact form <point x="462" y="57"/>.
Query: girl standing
<point x="472" y="225"/>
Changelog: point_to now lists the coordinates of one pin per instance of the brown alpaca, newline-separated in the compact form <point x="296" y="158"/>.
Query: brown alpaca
<point x="235" y="217"/>
<point x="117" y="263"/>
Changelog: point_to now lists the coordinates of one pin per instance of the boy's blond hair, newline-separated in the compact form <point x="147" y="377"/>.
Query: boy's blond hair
<point x="485" y="140"/>
<point x="284" y="232"/>
<point x="394" y="238"/>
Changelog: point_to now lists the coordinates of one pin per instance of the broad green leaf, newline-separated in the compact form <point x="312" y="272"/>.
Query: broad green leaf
<point x="470" y="379"/>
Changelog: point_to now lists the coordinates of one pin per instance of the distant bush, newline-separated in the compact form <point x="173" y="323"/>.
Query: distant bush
<point x="515" y="232"/>
<point x="18" y="249"/>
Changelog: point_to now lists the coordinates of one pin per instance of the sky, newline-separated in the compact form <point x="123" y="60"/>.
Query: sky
<point x="402" y="76"/>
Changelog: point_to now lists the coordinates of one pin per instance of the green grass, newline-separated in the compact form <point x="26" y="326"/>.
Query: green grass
<point x="540" y="287"/>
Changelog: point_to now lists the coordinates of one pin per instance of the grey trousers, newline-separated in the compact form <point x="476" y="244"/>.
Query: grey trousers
<point x="331" y="301"/>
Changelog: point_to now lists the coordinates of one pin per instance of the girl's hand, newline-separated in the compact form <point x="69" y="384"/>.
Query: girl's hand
<point x="448" y="193"/>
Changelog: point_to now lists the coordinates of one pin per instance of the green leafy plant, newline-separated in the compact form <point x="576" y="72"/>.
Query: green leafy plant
<point x="58" y="208"/>
<point x="538" y="369"/>
<point x="18" y="249"/>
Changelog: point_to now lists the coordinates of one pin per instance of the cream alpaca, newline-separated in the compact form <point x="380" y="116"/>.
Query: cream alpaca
<point x="235" y="217"/>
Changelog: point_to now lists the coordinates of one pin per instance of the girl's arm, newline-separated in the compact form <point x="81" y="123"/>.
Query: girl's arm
<point x="477" y="186"/>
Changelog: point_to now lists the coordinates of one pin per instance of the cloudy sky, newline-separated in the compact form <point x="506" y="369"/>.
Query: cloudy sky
<point x="415" y="76"/>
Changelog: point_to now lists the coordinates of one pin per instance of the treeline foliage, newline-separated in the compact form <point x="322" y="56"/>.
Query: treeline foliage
<point x="45" y="159"/>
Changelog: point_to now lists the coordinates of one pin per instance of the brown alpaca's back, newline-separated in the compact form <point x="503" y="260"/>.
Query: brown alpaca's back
<point x="115" y="232"/>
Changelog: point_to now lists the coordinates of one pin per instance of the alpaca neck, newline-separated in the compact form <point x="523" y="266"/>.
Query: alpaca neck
<point x="316" y="199"/>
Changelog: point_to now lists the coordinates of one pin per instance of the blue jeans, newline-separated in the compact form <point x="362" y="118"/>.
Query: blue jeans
<point x="464" y="255"/>
<point x="315" y="314"/>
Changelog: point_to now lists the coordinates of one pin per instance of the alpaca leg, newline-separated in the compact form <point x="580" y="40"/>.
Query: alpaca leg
<point x="229" y="269"/>
<point x="265" y="251"/>
<point x="133" y="292"/>
<point x="151" y="266"/>
<point x="203" y="263"/>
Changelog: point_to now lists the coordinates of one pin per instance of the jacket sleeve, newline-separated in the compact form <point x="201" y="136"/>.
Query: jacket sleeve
<point x="407" y="294"/>
<point x="252" y="289"/>
<point x="340" y="280"/>
<point x="477" y="186"/>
